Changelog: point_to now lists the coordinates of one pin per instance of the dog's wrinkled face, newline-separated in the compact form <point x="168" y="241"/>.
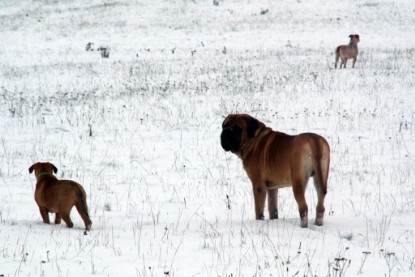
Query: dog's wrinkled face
<point x="237" y="129"/>
<point x="231" y="135"/>
<point x="40" y="168"/>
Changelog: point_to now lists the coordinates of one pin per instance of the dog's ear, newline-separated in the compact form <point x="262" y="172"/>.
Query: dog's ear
<point x="350" y="36"/>
<point x="223" y="123"/>
<point x="225" y="120"/>
<point x="252" y="125"/>
<point x="32" y="168"/>
<point x="55" y="170"/>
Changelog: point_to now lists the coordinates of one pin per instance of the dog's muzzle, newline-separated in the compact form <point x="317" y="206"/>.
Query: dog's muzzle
<point x="225" y="139"/>
<point x="230" y="139"/>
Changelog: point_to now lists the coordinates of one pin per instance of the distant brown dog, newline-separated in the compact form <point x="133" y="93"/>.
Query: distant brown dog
<point x="345" y="52"/>
<point x="58" y="196"/>
<point x="275" y="160"/>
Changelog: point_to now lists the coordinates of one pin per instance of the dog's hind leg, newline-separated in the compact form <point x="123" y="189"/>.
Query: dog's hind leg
<point x="321" y="194"/>
<point x="337" y="54"/>
<point x="299" y="186"/>
<point x="321" y="174"/>
<point x="336" y="60"/>
<point x="345" y="62"/>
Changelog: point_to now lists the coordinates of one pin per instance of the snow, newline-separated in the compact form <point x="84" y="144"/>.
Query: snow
<point x="140" y="131"/>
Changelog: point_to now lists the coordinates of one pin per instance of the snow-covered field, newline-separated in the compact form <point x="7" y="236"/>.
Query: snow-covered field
<point x="140" y="130"/>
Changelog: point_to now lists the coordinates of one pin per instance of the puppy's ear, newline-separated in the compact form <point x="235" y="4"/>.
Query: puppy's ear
<point x="251" y="126"/>
<point x="55" y="170"/>
<point x="32" y="168"/>
<point x="350" y="36"/>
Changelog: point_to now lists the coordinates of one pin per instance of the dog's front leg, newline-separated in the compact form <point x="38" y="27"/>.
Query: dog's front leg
<point x="45" y="214"/>
<point x="273" y="203"/>
<point x="259" y="196"/>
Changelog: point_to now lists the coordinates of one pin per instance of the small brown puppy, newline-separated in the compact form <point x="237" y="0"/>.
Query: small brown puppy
<point x="347" y="51"/>
<point x="58" y="196"/>
<point x="275" y="160"/>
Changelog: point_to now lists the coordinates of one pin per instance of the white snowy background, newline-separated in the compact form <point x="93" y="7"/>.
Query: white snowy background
<point x="140" y="131"/>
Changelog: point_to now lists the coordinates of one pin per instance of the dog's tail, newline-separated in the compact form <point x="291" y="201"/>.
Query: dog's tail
<point x="321" y="165"/>
<point x="337" y="52"/>
<point x="82" y="207"/>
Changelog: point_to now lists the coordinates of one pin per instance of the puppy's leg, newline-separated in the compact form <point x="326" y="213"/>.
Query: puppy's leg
<point x="273" y="203"/>
<point x="354" y="61"/>
<point x="45" y="215"/>
<point x="67" y="219"/>
<point x="57" y="218"/>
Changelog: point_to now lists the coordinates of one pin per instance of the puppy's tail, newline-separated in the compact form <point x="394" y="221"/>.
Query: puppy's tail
<point x="82" y="207"/>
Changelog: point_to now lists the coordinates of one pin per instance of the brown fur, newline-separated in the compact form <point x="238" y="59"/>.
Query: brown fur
<point x="349" y="51"/>
<point x="274" y="160"/>
<point x="58" y="196"/>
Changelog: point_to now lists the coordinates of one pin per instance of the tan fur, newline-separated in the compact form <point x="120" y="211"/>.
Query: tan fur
<point x="58" y="196"/>
<point x="349" y="51"/>
<point x="274" y="160"/>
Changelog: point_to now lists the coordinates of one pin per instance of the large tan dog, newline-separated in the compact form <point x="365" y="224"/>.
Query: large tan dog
<point x="275" y="160"/>
<point x="58" y="196"/>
